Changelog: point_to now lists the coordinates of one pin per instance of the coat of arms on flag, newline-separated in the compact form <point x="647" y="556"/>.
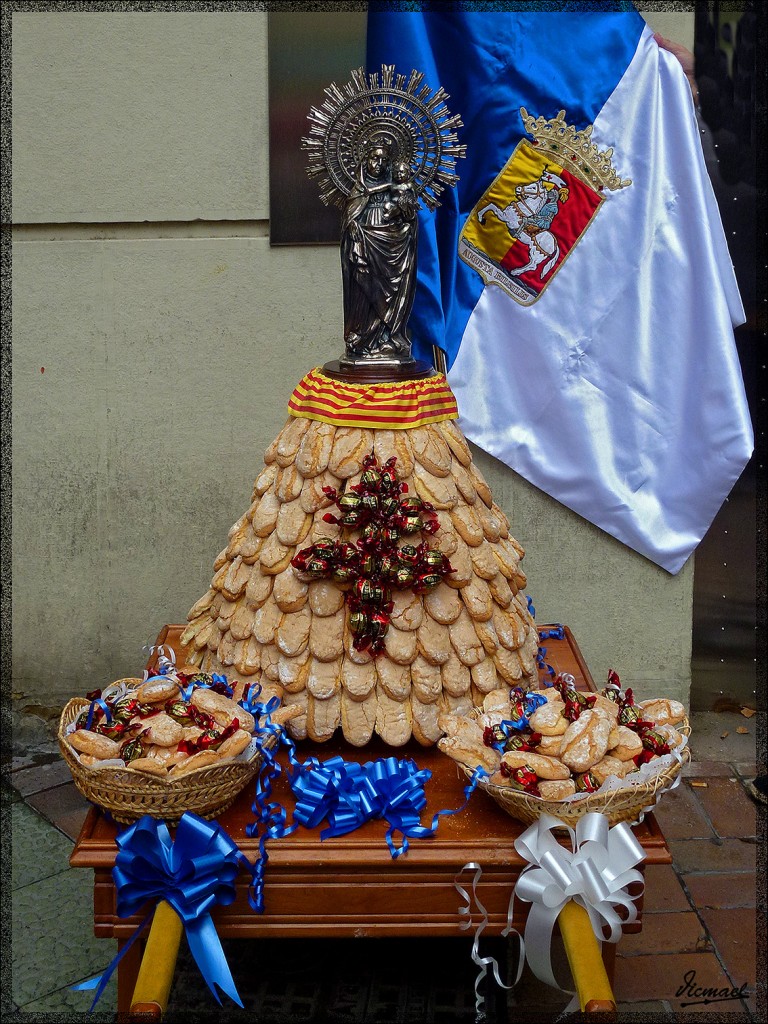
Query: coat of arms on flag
<point x="525" y="225"/>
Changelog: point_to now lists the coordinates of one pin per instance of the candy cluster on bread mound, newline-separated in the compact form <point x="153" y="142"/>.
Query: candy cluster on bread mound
<point x="557" y="741"/>
<point x="374" y="579"/>
<point x="172" y="724"/>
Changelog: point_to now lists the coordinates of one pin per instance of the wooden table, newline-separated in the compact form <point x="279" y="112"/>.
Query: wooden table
<point x="349" y="886"/>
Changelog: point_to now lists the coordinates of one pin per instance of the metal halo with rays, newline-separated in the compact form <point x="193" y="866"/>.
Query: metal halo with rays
<point x="414" y="124"/>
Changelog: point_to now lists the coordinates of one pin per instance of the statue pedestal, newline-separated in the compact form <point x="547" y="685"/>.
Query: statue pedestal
<point x="368" y="371"/>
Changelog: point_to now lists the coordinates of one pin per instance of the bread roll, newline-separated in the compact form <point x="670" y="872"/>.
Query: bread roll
<point x="608" y="766"/>
<point x="164" y="731"/>
<point x="663" y="711"/>
<point x="234" y="744"/>
<point x="157" y="691"/>
<point x="93" y="743"/>
<point x="629" y="744"/>
<point x="585" y="741"/>
<point x="549" y="719"/>
<point x="557" y="789"/>
<point x="470" y="754"/>
<point x="148" y="765"/>
<point x="545" y="767"/>
<point x="201" y="759"/>
<point x="550" y="745"/>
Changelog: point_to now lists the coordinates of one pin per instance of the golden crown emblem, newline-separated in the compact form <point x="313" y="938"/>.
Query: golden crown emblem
<point x="574" y="150"/>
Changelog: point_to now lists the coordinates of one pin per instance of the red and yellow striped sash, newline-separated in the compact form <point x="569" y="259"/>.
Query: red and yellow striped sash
<point x="390" y="406"/>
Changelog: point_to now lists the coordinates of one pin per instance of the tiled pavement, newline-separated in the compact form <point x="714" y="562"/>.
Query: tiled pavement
<point x="700" y="928"/>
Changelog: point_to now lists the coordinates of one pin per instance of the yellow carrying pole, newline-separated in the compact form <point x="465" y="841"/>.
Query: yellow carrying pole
<point x="153" y="985"/>
<point x="587" y="968"/>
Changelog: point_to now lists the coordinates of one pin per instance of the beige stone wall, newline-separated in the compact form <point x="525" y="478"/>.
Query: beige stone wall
<point x="675" y="25"/>
<point x="157" y="336"/>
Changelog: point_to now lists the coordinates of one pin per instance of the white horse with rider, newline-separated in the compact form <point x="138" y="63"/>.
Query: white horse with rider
<point x="529" y="217"/>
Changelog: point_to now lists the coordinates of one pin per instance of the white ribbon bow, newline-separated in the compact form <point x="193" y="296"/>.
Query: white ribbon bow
<point x="596" y="873"/>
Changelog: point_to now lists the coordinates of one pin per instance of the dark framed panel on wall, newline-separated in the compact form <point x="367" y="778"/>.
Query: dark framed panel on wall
<point x="308" y="50"/>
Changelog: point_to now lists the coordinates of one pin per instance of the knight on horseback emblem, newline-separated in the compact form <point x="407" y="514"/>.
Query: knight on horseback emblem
<point x="528" y="221"/>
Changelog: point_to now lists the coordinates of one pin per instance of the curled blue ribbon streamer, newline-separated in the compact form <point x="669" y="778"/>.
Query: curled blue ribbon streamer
<point x="97" y="701"/>
<point x="194" y="873"/>
<point x="542" y="663"/>
<point x="556" y="633"/>
<point x="532" y="702"/>
<point x="270" y="814"/>
<point x="250" y="697"/>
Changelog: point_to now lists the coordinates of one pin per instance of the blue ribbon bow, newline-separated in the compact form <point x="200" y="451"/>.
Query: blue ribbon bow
<point x="349" y="794"/>
<point x="346" y="793"/>
<point x="193" y="874"/>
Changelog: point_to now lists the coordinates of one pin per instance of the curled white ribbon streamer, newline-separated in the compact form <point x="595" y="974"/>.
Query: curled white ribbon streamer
<point x="163" y="659"/>
<point x="483" y="962"/>
<point x="114" y="692"/>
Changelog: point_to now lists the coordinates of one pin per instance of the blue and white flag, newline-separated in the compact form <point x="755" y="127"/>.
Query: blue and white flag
<point x="578" y="277"/>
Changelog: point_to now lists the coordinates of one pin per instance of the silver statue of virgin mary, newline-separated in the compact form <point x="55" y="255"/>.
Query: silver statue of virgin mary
<point x="379" y="147"/>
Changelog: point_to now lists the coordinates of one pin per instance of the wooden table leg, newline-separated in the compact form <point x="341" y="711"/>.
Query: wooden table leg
<point x="127" y="973"/>
<point x="609" y="959"/>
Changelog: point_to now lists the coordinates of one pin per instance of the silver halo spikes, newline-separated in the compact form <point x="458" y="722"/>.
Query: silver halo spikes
<point x="414" y="124"/>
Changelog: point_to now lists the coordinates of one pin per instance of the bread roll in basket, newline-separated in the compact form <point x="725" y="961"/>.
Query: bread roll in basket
<point x="620" y="799"/>
<point x="128" y="794"/>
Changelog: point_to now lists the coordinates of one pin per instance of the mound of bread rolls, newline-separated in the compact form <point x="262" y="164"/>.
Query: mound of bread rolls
<point x="443" y="650"/>
<point x="556" y="741"/>
<point x="170" y="724"/>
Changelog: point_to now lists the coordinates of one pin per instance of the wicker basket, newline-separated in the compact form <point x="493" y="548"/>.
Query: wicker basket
<point x="128" y="795"/>
<point x="617" y="805"/>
